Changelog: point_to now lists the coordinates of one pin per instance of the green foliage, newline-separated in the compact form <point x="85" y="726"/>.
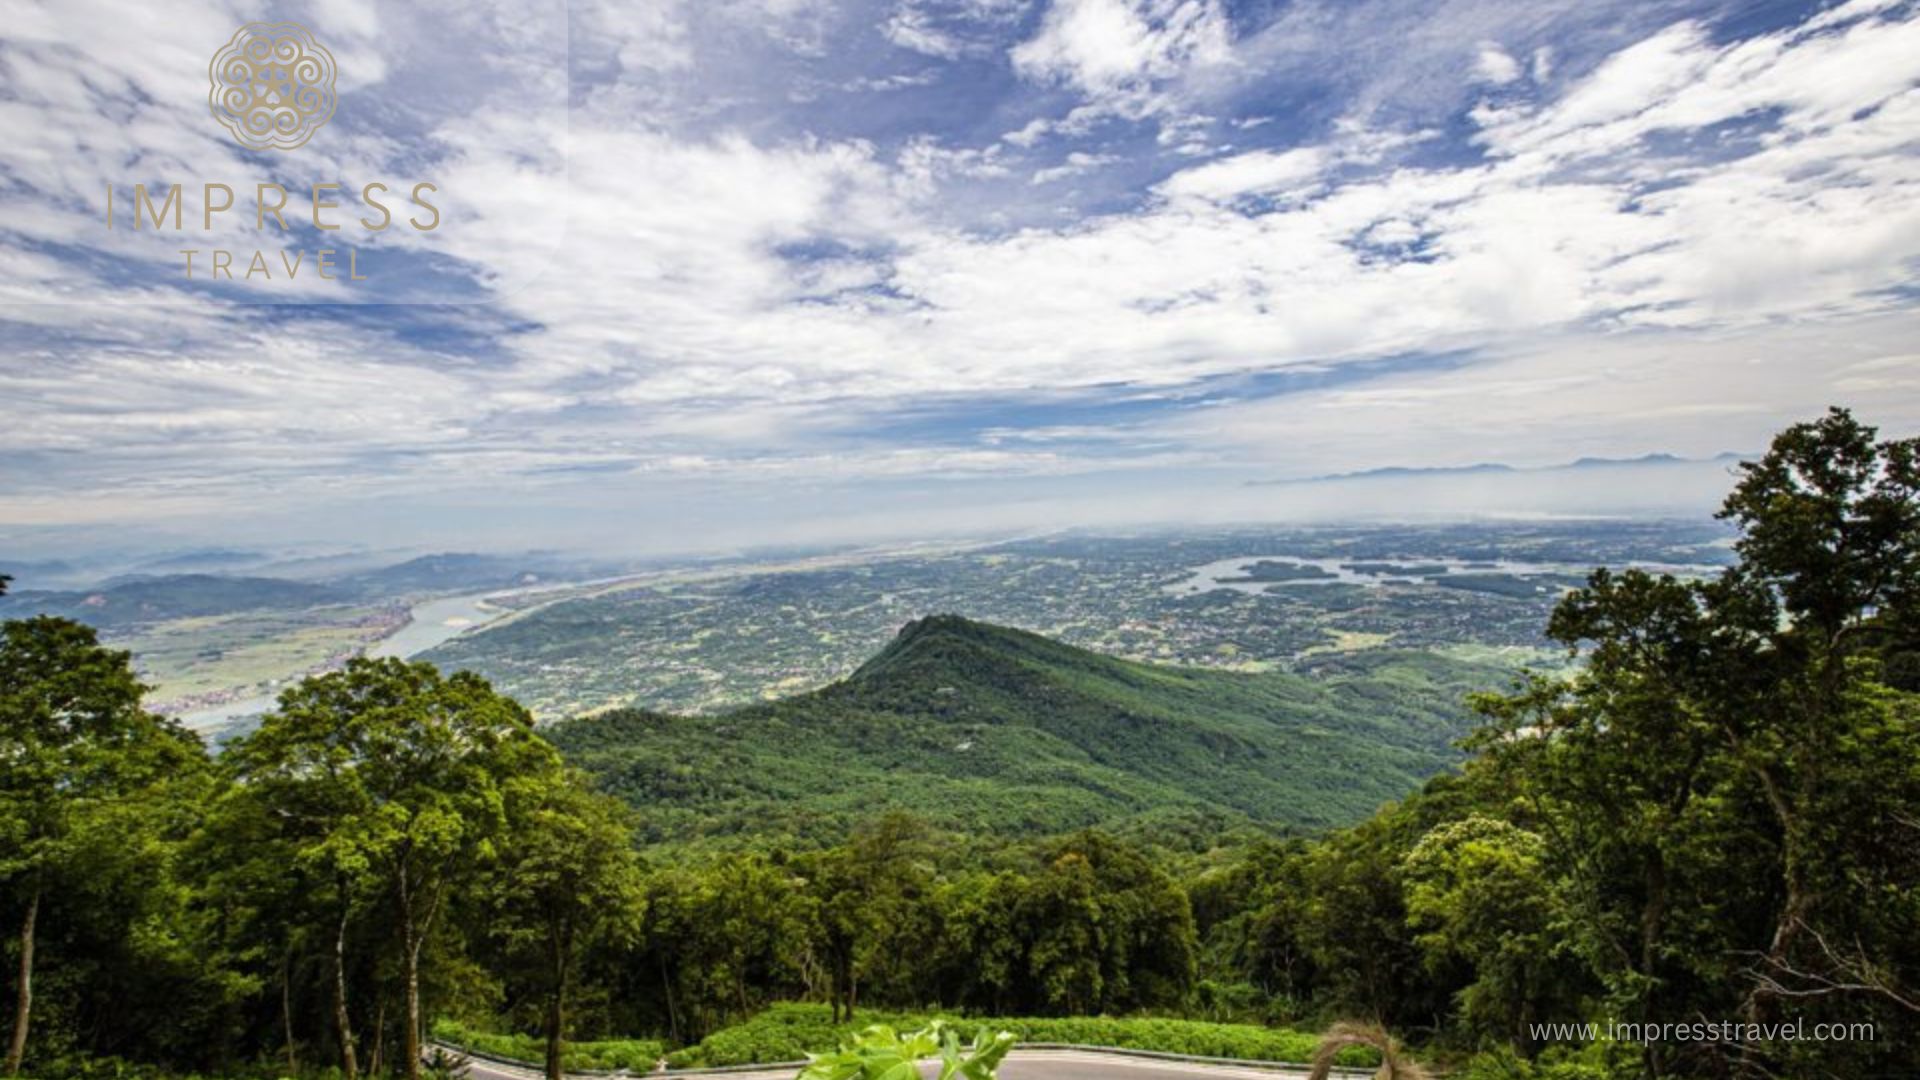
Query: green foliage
<point x="879" y="1053"/>
<point x="1708" y="814"/>
<point x="997" y="732"/>
<point x="564" y="881"/>
<point x="1597" y="1061"/>
<point x="634" y="1055"/>
<point x="1718" y="775"/>
<point x="789" y="1032"/>
<point x="98" y="1067"/>
<point x="1478" y="891"/>
<point x="91" y="787"/>
<point x="387" y="784"/>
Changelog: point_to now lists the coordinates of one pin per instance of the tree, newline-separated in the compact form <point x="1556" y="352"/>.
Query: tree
<point x="1478" y="890"/>
<point x="1352" y="921"/>
<point x="1060" y="914"/>
<point x="1621" y="769"/>
<point x="396" y="778"/>
<point x="1830" y="522"/>
<point x="566" y="879"/>
<point x="868" y="889"/>
<point x="74" y="742"/>
<point x="977" y="949"/>
<point x="1106" y="930"/>
<point x="1726" y="780"/>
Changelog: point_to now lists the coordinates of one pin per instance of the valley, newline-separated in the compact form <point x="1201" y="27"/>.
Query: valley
<point x="569" y="636"/>
<point x="719" y="640"/>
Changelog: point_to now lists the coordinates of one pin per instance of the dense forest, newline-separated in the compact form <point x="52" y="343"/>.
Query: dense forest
<point x="1707" y="819"/>
<point x="986" y="731"/>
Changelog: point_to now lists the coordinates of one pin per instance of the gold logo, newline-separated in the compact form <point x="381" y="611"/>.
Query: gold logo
<point x="272" y="86"/>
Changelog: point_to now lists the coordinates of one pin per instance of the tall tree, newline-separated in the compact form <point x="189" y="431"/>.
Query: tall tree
<point x="567" y="879"/>
<point x="1748" y="714"/>
<point x="1830" y="522"/>
<point x="74" y="741"/>
<point x="400" y="774"/>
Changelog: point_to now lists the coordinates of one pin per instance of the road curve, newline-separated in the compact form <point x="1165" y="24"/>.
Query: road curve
<point x="1020" y="1065"/>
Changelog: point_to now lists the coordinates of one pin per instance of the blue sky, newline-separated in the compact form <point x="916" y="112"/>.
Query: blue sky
<point x="735" y="271"/>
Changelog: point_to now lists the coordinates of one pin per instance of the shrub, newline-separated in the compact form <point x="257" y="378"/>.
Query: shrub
<point x="638" y="1055"/>
<point x="790" y="1032"/>
<point x="1596" y="1061"/>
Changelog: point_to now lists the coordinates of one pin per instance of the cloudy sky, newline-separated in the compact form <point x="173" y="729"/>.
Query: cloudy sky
<point x="717" y="272"/>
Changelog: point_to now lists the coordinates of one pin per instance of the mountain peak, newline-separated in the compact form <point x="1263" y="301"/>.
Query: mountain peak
<point x="978" y="726"/>
<point x="959" y="647"/>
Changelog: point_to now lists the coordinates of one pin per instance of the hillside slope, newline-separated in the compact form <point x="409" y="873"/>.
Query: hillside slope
<point x="987" y="729"/>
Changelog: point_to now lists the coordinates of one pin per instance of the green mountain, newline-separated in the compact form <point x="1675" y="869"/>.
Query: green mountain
<point x="1001" y="732"/>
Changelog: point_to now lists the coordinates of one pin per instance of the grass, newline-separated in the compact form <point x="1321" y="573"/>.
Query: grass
<point x="790" y="1032"/>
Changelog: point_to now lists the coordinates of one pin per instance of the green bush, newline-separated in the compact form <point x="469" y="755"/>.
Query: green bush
<point x="790" y="1032"/>
<point x="635" y="1054"/>
<point x="1595" y="1061"/>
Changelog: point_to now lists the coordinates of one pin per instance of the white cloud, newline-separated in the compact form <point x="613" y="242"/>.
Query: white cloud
<point x="1542" y="65"/>
<point x="910" y="28"/>
<point x="1257" y="172"/>
<point x="1105" y="47"/>
<point x="1075" y="164"/>
<point x="1578" y="394"/>
<point x="1495" y="65"/>
<point x="743" y="301"/>
<point x="949" y="29"/>
<point x="648" y="35"/>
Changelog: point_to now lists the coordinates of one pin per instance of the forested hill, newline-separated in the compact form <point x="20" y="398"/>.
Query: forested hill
<point x="1000" y="732"/>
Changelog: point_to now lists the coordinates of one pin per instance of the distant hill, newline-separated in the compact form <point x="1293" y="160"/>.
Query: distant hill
<point x="992" y="730"/>
<point x="467" y="572"/>
<point x="173" y="596"/>
<point x="203" y="560"/>
<point x="1495" y="468"/>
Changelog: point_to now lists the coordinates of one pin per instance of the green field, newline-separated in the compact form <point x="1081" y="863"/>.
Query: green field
<point x="251" y="652"/>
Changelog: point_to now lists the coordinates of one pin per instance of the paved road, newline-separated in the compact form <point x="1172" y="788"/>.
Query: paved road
<point x="1020" y="1065"/>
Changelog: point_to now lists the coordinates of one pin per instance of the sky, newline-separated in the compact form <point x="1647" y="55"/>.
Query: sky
<point x="720" y="273"/>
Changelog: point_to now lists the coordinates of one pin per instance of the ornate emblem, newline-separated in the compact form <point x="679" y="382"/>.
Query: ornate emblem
<point x="272" y="86"/>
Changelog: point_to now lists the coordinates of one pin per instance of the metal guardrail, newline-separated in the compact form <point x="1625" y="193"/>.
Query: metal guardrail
<point x="534" y="1067"/>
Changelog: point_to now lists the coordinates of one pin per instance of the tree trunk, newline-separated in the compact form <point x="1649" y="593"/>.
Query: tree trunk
<point x="378" y="1057"/>
<point x="412" y="1041"/>
<point x="556" y="1021"/>
<point x="666" y="986"/>
<point x="559" y="948"/>
<point x="286" y="1007"/>
<point x="17" y="1049"/>
<point x="341" y="1020"/>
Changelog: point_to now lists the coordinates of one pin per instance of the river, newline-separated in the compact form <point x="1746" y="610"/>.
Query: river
<point x="428" y="624"/>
